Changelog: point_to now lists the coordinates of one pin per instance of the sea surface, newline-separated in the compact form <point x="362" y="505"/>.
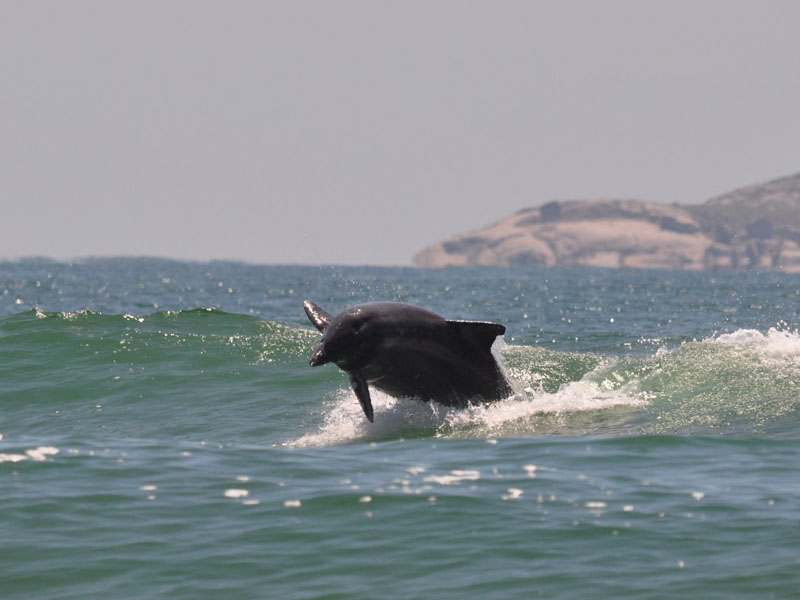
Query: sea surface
<point x="163" y="436"/>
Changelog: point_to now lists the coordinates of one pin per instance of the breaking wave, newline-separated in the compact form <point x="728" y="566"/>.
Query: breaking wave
<point x="745" y="381"/>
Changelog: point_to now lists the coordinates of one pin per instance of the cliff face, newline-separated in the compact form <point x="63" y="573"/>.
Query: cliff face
<point x="757" y="227"/>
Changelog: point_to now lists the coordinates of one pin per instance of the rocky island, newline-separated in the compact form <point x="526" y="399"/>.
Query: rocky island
<point x="756" y="227"/>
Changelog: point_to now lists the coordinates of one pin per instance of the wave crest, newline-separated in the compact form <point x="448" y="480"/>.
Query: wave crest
<point x="580" y="407"/>
<point x="741" y="381"/>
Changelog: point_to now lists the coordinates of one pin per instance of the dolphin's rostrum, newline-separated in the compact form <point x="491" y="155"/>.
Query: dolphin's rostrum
<point x="405" y="350"/>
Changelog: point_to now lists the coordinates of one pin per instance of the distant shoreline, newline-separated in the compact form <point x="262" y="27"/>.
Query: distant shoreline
<point x="751" y="228"/>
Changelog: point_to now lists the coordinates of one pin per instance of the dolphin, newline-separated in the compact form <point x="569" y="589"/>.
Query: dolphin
<point x="405" y="350"/>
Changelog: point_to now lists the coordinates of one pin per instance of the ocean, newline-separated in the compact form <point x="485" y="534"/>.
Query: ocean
<point x="163" y="436"/>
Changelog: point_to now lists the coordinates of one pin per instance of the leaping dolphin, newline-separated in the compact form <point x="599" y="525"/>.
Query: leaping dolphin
<point x="405" y="350"/>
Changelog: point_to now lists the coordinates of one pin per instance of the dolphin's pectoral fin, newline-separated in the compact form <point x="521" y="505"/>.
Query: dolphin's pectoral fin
<point x="362" y="392"/>
<point x="480" y="333"/>
<point x="316" y="315"/>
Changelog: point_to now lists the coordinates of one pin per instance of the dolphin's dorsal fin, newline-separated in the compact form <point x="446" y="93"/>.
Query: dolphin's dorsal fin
<point x="362" y="393"/>
<point x="480" y="333"/>
<point x="316" y="315"/>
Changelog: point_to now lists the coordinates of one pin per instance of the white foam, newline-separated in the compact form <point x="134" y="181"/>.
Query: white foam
<point x="530" y="470"/>
<point x="12" y="458"/>
<point x="513" y="494"/>
<point x="455" y="476"/>
<point x="573" y="397"/>
<point x="777" y="342"/>
<point x="344" y="421"/>
<point x="42" y="452"/>
<point x="236" y="493"/>
<point x="39" y="453"/>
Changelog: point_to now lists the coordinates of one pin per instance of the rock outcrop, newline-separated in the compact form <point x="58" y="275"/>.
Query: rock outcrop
<point x="756" y="227"/>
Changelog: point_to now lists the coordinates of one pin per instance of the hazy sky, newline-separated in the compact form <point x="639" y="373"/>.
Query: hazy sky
<point x="358" y="132"/>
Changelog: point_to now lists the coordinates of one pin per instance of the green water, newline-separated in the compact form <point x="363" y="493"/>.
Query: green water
<point x="164" y="436"/>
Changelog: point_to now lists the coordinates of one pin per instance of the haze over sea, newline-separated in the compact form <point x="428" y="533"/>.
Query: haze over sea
<point x="164" y="436"/>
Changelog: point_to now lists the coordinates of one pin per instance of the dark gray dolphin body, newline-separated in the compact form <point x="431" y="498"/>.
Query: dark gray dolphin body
<point x="405" y="350"/>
